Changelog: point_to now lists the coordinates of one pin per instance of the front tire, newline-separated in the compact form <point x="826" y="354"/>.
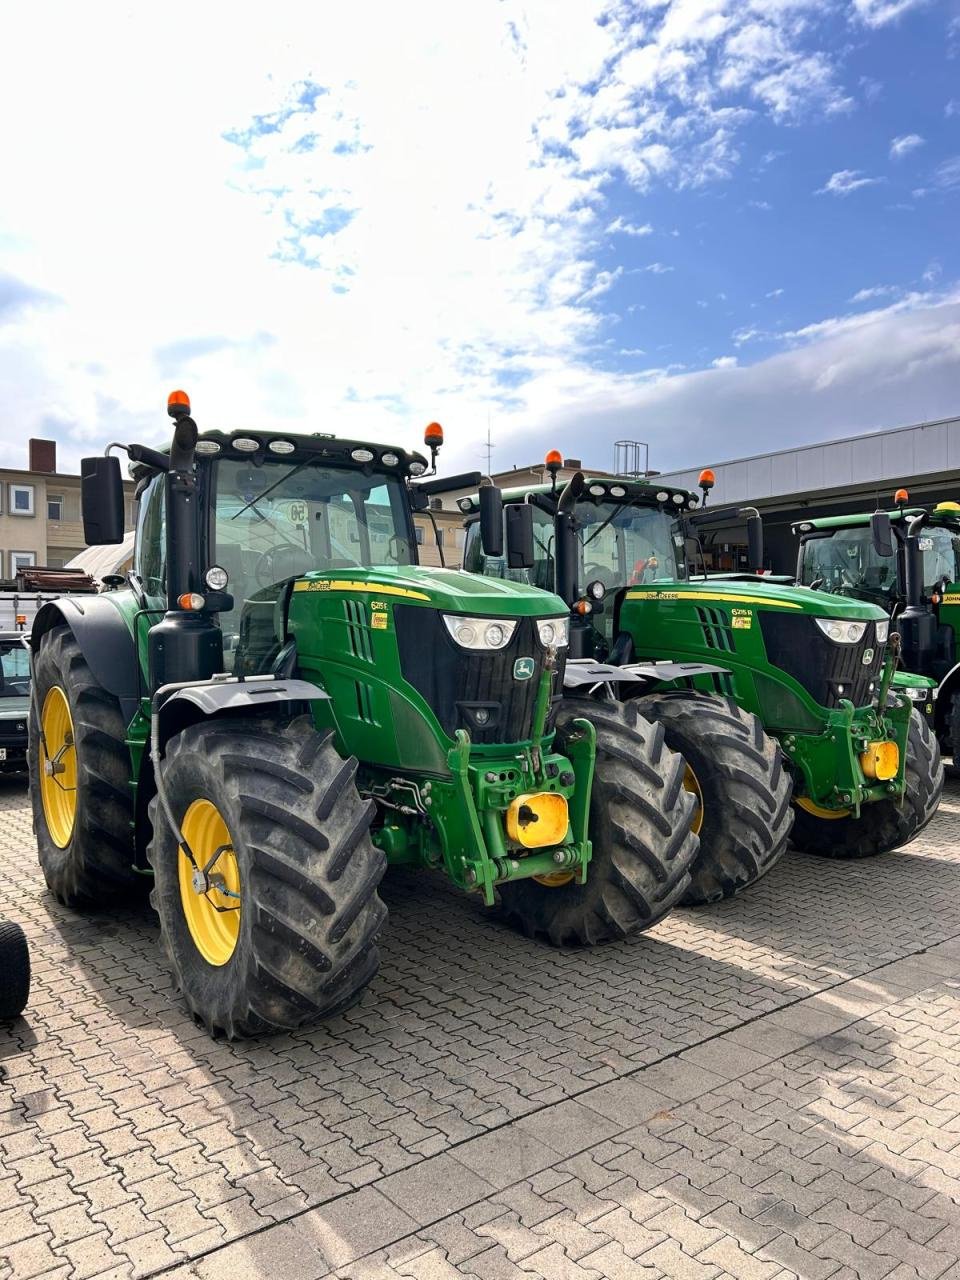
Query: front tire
<point x="735" y="770"/>
<point x="79" y="779"/>
<point x="884" y="824"/>
<point x="274" y="811"/>
<point x="643" y="846"/>
<point x="14" y="971"/>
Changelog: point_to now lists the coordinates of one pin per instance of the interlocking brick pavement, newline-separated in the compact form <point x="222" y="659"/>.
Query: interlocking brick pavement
<point x="769" y="1087"/>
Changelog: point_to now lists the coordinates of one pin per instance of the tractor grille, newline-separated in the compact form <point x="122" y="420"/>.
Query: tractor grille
<point x="457" y="682"/>
<point x="824" y="668"/>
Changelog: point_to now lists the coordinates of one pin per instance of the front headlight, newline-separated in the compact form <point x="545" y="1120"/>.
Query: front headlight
<point x="480" y="633"/>
<point x="841" y="631"/>
<point x="553" y="631"/>
<point x="883" y="630"/>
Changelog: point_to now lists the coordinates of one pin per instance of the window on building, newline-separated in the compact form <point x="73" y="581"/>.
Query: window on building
<point x="419" y="533"/>
<point x="439" y="537"/>
<point x="21" y="560"/>
<point x="21" y="499"/>
<point x="54" y="506"/>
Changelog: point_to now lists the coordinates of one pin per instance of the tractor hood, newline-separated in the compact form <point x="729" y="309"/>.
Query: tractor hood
<point x="760" y="594"/>
<point x="449" y="589"/>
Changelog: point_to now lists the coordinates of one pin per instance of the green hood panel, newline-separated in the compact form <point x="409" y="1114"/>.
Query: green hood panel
<point x="449" y="589"/>
<point x="768" y="595"/>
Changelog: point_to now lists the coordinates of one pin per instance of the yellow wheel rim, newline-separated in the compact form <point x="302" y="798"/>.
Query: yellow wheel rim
<point x="556" y="879"/>
<point x="818" y="812"/>
<point x="212" y="916"/>
<point x="691" y="784"/>
<point x="58" y="767"/>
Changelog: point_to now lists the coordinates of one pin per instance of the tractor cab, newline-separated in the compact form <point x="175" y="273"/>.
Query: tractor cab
<point x="620" y="533"/>
<point x="914" y="575"/>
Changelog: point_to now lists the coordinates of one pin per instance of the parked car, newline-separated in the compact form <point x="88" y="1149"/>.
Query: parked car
<point x="14" y="701"/>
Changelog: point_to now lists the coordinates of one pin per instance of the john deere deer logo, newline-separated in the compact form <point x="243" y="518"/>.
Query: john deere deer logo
<point x="523" y="668"/>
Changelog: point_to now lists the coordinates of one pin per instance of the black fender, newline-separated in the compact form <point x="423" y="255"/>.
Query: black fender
<point x="232" y="696"/>
<point x="102" y="634"/>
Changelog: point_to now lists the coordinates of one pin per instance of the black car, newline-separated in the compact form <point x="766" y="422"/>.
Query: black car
<point x="14" y="702"/>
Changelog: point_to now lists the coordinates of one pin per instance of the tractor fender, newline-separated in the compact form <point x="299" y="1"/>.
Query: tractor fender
<point x="102" y="634"/>
<point x="946" y="691"/>
<point x="228" y="697"/>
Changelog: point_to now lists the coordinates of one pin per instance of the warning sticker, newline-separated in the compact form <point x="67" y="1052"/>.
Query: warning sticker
<point x="378" y="621"/>
<point x="742" y="621"/>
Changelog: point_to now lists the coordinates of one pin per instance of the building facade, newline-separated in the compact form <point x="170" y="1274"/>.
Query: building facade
<point x="40" y="518"/>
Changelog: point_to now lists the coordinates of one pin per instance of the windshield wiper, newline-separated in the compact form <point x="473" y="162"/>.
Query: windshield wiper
<point x="260" y="496"/>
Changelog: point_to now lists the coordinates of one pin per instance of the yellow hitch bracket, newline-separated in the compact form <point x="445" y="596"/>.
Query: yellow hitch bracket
<point x="538" y="820"/>
<point x="881" y="761"/>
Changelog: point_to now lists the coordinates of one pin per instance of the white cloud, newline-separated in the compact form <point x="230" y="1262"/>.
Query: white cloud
<point x="623" y="227"/>
<point x="844" y="181"/>
<point x="348" y="233"/>
<point x="875" y="291"/>
<point x="903" y="145"/>
<point x="656" y="268"/>
<point x="774" y="293"/>
<point x="948" y="173"/>
<point x="842" y="376"/>
<point x="725" y="362"/>
<point x="877" y="13"/>
<point x="605" y="280"/>
<point x="952" y="108"/>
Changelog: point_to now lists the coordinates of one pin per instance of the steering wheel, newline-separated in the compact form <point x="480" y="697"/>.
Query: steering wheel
<point x="273" y="566"/>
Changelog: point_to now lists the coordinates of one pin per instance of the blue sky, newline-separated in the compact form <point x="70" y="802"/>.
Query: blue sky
<point x="715" y="225"/>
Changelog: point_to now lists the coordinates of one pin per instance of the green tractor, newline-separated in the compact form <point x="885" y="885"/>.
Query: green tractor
<point x="278" y="702"/>
<point x="737" y="670"/>
<point x="913" y="573"/>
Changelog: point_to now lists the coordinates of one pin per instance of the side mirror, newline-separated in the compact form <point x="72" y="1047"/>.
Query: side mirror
<point x="881" y="533"/>
<point x="755" y="541"/>
<point x="491" y="520"/>
<point x="101" y="497"/>
<point x="520" y="553"/>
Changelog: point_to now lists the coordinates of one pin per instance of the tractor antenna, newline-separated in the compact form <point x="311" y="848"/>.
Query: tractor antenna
<point x="489" y="446"/>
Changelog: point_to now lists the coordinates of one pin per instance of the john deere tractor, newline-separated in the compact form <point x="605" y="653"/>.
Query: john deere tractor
<point x="913" y="573"/>
<point x="278" y="703"/>
<point x="742" y="674"/>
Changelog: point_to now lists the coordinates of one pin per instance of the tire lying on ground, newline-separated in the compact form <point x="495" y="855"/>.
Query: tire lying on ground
<point x="80" y="767"/>
<point x="741" y="789"/>
<point x="14" y="970"/>
<point x="284" y="930"/>
<point x="884" y="824"/>
<point x="643" y="846"/>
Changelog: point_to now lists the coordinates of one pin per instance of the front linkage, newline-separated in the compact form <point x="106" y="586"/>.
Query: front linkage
<point x="495" y="819"/>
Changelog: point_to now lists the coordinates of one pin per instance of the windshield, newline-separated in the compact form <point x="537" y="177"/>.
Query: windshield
<point x="278" y="521"/>
<point x="940" y="549"/>
<point x="845" y="563"/>
<point x="15" y="669"/>
<point x="622" y="545"/>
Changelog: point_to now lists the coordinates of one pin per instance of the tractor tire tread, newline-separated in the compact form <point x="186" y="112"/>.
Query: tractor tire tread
<point x="308" y="939"/>
<point x="883" y="825"/>
<point x="739" y="767"/>
<point x="96" y="868"/>
<point x="640" y="828"/>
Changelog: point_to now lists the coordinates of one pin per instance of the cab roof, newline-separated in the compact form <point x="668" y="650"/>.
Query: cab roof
<point x="940" y="515"/>
<point x="644" y="491"/>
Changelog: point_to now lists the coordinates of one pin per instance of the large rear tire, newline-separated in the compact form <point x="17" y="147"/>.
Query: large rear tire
<point x="14" y="970"/>
<point x="884" y="824"/>
<point x="289" y="935"/>
<point x="643" y="846"/>
<point x="79" y="779"/>
<point x="741" y="790"/>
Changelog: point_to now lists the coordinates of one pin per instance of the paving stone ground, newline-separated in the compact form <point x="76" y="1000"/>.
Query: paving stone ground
<point x="767" y="1088"/>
